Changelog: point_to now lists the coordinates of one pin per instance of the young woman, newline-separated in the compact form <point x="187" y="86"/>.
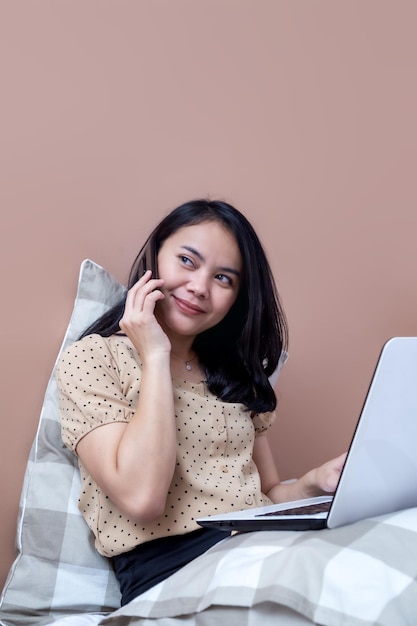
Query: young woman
<point x="166" y="399"/>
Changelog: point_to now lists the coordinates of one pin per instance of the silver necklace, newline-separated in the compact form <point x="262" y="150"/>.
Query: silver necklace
<point x="187" y="363"/>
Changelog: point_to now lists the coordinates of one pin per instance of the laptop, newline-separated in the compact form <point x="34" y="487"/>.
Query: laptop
<point x="379" y="474"/>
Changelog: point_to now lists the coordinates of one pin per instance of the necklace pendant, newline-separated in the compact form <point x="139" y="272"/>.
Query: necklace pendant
<point x="188" y="366"/>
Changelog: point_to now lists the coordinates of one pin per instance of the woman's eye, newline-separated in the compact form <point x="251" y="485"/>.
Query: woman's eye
<point x="185" y="260"/>
<point x="223" y="278"/>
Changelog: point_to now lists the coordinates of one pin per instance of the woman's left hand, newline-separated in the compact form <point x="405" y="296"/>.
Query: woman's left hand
<point x="324" y="479"/>
<point x="317" y="482"/>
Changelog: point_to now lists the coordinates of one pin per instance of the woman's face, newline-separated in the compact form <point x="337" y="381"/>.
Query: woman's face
<point x="202" y="269"/>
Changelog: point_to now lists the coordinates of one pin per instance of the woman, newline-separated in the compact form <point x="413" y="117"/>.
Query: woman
<point x="166" y="398"/>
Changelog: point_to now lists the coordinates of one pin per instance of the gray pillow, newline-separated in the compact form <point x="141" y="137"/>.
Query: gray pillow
<point x="57" y="571"/>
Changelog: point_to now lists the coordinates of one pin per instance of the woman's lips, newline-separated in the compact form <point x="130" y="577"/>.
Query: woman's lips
<point x="187" y="307"/>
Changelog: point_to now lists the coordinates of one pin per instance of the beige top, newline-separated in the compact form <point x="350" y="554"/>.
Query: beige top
<point x="98" y="382"/>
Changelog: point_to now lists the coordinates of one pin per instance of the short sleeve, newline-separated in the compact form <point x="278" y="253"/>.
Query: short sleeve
<point x="98" y="383"/>
<point x="262" y="422"/>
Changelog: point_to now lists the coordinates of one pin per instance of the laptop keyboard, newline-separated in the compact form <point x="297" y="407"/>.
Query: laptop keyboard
<point x="308" y="509"/>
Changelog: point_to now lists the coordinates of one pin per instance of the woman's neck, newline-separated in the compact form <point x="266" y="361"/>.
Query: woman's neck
<point x="181" y="345"/>
<point x="183" y="350"/>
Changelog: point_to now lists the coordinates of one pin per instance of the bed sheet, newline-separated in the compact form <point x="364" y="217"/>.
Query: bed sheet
<point x="362" y="574"/>
<point x="267" y="614"/>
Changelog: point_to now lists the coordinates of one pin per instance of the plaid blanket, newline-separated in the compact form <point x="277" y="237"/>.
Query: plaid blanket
<point x="358" y="575"/>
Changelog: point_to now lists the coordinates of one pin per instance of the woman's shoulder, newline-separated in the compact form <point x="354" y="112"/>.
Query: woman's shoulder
<point x="97" y="346"/>
<point x="88" y="343"/>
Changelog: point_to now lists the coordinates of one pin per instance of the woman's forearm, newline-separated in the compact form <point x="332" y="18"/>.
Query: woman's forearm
<point x="146" y="453"/>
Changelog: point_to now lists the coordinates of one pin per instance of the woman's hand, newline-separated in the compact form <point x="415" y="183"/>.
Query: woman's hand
<point x="319" y="481"/>
<point x="139" y="321"/>
<point x="324" y="479"/>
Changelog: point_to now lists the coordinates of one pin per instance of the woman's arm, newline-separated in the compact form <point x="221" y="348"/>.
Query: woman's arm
<point x="318" y="481"/>
<point x="133" y="463"/>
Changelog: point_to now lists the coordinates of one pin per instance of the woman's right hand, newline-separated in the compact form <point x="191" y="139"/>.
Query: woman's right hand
<point x="139" y="322"/>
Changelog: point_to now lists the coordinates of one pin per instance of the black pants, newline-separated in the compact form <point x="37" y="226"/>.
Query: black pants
<point x="153" y="561"/>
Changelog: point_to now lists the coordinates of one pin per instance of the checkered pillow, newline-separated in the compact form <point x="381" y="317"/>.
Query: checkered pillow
<point x="57" y="571"/>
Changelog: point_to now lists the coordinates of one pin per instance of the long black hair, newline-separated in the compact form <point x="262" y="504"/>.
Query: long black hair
<point x="242" y="350"/>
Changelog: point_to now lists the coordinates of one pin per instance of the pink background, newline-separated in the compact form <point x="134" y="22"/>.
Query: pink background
<point x="302" y="114"/>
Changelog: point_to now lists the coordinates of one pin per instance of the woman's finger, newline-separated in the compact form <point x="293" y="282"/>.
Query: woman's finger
<point x="140" y="291"/>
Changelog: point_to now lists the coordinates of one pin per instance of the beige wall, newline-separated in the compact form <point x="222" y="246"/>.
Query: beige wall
<point x="303" y="114"/>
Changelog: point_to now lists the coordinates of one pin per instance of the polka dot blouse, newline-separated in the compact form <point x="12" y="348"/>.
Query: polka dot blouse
<point x="98" y="383"/>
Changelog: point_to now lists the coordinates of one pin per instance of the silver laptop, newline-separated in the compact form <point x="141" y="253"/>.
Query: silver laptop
<point x="380" y="471"/>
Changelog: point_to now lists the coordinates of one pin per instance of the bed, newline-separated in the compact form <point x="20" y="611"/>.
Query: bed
<point x="358" y="575"/>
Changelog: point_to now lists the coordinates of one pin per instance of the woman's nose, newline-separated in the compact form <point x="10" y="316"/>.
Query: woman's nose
<point x="199" y="284"/>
